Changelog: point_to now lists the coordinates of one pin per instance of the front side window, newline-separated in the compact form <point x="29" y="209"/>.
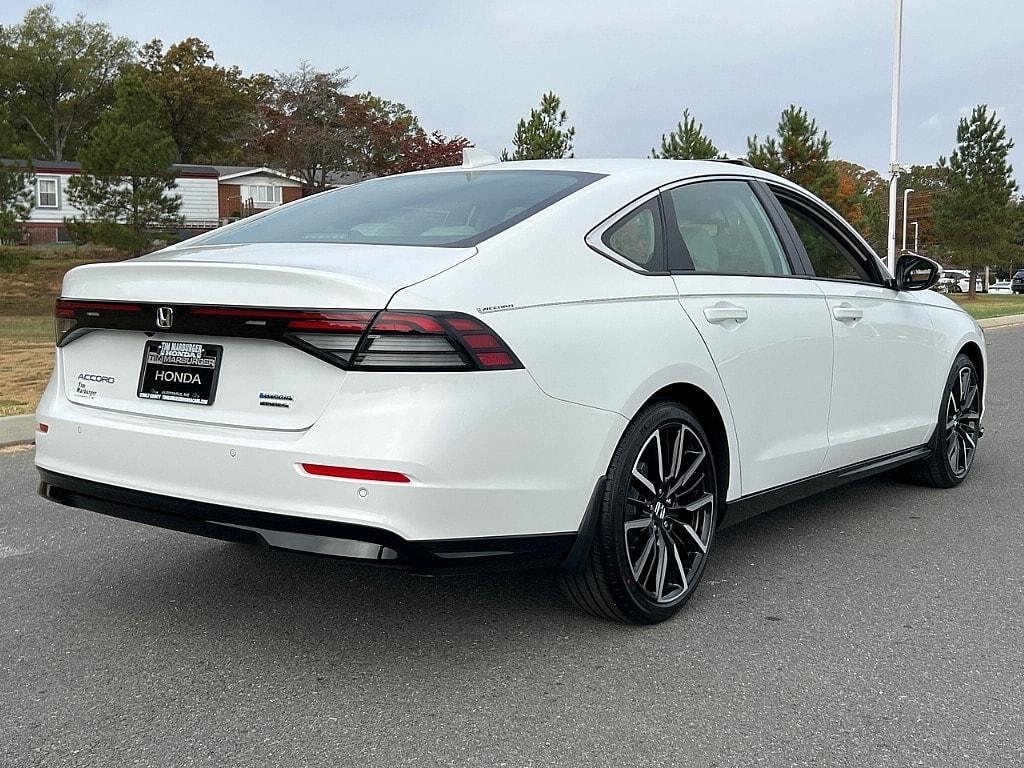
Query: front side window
<point x="451" y="209"/>
<point x="829" y="258"/>
<point x="47" y="190"/>
<point x="722" y="228"/>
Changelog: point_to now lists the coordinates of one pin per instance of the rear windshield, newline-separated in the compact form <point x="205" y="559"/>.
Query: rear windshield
<point x="438" y="209"/>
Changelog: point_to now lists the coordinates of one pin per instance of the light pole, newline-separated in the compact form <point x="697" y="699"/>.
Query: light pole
<point x="906" y="194"/>
<point x="894" y="168"/>
<point x="915" y="236"/>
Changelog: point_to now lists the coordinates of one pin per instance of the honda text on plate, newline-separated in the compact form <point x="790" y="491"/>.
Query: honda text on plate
<point x="589" y="366"/>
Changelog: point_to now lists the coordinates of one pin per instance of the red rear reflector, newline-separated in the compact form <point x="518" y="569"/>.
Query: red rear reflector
<point x="44" y="428"/>
<point x="351" y="473"/>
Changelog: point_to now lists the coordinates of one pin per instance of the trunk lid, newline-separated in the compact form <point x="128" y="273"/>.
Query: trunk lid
<point x="260" y="383"/>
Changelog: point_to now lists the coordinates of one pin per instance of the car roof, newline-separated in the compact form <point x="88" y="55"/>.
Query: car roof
<point x="655" y="172"/>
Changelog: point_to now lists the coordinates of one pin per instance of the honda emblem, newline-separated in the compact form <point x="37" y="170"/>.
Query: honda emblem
<point x="164" y="317"/>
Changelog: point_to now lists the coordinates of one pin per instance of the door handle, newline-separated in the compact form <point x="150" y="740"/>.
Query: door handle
<point x="845" y="313"/>
<point x="723" y="314"/>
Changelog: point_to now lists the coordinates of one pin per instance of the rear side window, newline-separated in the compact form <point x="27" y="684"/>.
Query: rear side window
<point x="636" y="237"/>
<point x="430" y="209"/>
<point x="722" y="228"/>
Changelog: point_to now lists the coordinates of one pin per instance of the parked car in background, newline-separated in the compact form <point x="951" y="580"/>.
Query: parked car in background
<point x="1000" y="286"/>
<point x="1017" y="283"/>
<point x="959" y="281"/>
<point x="586" y="365"/>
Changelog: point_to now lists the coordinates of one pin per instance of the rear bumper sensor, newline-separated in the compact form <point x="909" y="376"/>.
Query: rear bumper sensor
<point x="311" y="535"/>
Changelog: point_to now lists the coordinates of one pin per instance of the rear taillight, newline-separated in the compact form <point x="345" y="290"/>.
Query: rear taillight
<point x="70" y="315"/>
<point x="351" y="339"/>
<point x="417" y="341"/>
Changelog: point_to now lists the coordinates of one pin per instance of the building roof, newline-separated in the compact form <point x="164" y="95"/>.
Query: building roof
<point x="229" y="172"/>
<point x="70" y="167"/>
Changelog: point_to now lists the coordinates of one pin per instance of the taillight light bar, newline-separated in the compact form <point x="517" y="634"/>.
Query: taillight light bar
<point x="351" y="339"/>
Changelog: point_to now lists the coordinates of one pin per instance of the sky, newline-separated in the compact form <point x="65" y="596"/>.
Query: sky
<point x="625" y="70"/>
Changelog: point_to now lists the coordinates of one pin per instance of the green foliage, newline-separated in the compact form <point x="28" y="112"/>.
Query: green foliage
<point x="686" y="142"/>
<point x="126" y="180"/>
<point x="206" y="108"/>
<point x="544" y="135"/>
<point x="16" y="180"/>
<point x="57" y="78"/>
<point x="382" y="131"/>
<point x="13" y="260"/>
<point x="311" y="124"/>
<point x="798" y="154"/>
<point x="975" y="218"/>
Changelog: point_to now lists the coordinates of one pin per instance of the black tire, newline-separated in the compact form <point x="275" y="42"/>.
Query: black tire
<point x="648" y="533"/>
<point x="952" y="454"/>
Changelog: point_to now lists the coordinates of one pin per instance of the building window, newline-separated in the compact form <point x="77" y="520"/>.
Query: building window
<point x="47" y="193"/>
<point x="265" y="194"/>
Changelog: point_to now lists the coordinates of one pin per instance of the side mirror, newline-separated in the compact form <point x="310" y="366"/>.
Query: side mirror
<point x="916" y="273"/>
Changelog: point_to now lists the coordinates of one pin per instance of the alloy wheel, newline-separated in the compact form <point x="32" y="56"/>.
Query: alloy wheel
<point x="963" y="421"/>
<point x="670" y="514"/>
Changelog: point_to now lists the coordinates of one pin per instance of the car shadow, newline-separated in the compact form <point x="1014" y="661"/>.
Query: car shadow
<point x="352" y="614"/>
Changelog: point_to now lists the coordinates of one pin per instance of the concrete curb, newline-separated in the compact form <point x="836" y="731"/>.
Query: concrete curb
<point x="1006" y="321"/>
<point x="15" y="430"/>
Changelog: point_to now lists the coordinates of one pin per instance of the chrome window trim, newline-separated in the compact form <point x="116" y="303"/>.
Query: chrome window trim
<point x="594" y="237"/>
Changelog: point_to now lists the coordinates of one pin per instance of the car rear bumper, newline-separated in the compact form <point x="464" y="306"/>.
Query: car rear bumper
<point x="303" y="534"/>
<point x="487" y="455"/>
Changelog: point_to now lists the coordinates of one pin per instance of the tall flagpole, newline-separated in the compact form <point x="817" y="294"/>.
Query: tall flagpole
<point x="894" y="168"/>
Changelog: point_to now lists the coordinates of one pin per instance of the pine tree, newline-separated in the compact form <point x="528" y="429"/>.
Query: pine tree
<point x="16" y="194"/>
<point x="799" y="154"/>
<point x="974" y="215"/>
<point x="545" y="134"/>
<point x="686" y="142"/>
<point x="125" y="188"/>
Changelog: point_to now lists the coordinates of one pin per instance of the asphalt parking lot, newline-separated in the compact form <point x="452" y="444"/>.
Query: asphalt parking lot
<point x="877" y="625"/>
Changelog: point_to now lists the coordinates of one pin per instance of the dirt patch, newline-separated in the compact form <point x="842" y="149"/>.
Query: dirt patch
<point x="24" y="370"/>
<point x="32" y="288"/>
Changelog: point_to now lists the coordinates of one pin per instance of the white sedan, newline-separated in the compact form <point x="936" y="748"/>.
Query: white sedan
<point x="588" y="366"/>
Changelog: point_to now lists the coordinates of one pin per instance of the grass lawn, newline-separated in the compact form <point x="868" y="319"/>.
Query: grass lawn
<point x="29" y="284"/>
<point x="991" y="305"/>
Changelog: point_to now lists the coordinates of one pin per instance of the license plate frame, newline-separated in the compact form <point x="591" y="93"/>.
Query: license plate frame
<point x="180" y="371"/>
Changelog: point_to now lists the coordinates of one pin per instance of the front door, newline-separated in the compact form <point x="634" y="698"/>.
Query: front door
<point x="768" y="331"/>
<point x="884" y="344"/>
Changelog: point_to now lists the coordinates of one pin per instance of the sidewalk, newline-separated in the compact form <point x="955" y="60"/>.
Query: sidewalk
<point x="1001" y="322"/>
<point x="17" y="429"/>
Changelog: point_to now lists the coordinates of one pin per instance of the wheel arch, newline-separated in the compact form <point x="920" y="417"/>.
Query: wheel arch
<point x="973" y="351"/>
<point x="710" y="416"/>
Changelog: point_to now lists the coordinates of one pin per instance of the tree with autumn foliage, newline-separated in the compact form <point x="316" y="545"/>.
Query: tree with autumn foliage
<point x="421" y="152"/>
<point x="206" y="108"/>
<point x="686" y="142"/>
<point x="381" y="129"/>
<point x="312" y="127"/>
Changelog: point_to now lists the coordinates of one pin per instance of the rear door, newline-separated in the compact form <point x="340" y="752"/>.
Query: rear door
<point x="886" y="366"/>
<point x="767" y="327"/>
